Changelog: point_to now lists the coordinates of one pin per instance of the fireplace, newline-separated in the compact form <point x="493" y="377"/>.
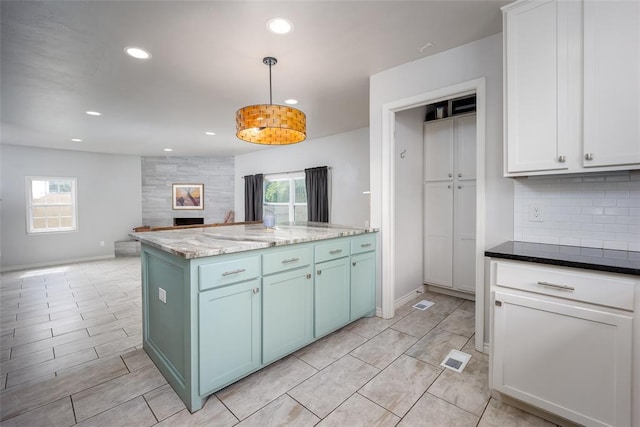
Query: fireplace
<point x="188" y="221"/>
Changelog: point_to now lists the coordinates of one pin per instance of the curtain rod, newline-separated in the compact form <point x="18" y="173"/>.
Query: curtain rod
<point x="289" y="172"/>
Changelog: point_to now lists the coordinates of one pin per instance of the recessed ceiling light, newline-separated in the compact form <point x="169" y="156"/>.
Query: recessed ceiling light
<point x="279" y="26"/>
<point x="76" y="139"/>
<point x="209" y="133"/>
<point x="93" y="113"/>
<point x="137" y="53"/>
<point x="291" y="101"/>
<point x="168" y="149"/>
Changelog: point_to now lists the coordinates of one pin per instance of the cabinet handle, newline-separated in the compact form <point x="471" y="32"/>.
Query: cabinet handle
<point x="448" y="186"/>
<point x="554" y="286"/>
<point x="255" y="290"/>
<point x="562" y="159"/>
<point x="365" y="245"/>
<point x="308" y="275"/>
<point x="229" y="273"/>
<point x="459" y="187"/>
<point x="588" y="156"/>
<point x="286" y="261"/>
<point x="353" y="263"/>
<point x="319" y="272"/>
<point x="498" y="303"/>
<point x="335" y="251"/>
<point x="459" y="175"/>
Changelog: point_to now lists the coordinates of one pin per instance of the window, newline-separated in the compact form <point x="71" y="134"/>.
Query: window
<point x="51" y="204"/>
<point x="285" y="197"/>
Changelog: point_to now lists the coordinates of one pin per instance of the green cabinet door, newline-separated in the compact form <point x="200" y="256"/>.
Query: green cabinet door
<point x="287" y="313"/>
<point x="331" y="295"/>
<point x="363" y="284"/>
<point x="229" y="331"/>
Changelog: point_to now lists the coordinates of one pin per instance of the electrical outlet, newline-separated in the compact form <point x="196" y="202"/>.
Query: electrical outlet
<point x="162" y="294"/>
<point x="536" y="213"/>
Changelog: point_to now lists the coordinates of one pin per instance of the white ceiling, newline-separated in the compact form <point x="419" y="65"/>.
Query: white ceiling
<point x="62" y="58"/>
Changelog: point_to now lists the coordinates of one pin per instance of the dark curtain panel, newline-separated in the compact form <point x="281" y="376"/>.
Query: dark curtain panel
<point x="317" y="193"/>
<point x="253" y="197"/>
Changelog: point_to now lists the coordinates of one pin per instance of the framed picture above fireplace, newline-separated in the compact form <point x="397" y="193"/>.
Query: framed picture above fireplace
<point x="188" y="196"/>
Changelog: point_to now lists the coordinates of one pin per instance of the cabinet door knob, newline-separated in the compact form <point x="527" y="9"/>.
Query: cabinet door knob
<point x="309" y="276"/>
<point x="353" y="263"/>
<point x="255" y="290"/>
<point x="588" y="156"/>
<point x="562" y="159"/>
<point x="498" y="303"/>
<point x="319" y="272"/>
<point x="448" y="186"/>
<point x="459" y="187"/>
<point x="459" y="175"/>
<point x="450" y="175"/>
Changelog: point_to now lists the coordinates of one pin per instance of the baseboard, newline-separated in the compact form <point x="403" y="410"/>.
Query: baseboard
<point x="408" y="297"/>
<point x="450" y="292"/>
<point x="9" y="268"/>
<point x="533" y="410"/>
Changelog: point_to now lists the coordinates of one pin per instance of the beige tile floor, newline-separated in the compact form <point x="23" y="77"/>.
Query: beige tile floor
<point x="70" y="354"/>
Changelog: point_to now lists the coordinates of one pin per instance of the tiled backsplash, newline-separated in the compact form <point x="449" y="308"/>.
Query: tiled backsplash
<point x="599" y="210"/>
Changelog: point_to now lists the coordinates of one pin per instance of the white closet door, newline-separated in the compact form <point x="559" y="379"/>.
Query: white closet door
<point x="464" y="237"/>
<point x="438" y="150"/>
<point x="465" y="137"/>
<point x="438" y="233"/>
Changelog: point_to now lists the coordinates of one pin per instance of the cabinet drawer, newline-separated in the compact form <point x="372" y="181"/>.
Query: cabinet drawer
<point x="333" y="250"/>
<point x="286" y="260"/>
<point x="567" y="283"/>
<point x="363" y="244"/>
<point x="228" y="272"/>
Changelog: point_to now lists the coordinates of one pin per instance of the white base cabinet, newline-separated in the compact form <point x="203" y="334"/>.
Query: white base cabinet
<point x="552" y="348"/>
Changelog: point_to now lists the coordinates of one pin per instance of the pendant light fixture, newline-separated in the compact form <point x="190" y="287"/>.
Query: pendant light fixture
<point x="271" y="124"/>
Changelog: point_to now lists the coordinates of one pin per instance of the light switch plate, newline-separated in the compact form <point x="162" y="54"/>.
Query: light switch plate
<point x="162" y="294"/>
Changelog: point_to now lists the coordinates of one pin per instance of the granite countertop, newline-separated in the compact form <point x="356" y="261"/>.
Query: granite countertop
<point x="612" y="261"/>
<point x="201" y="242"/>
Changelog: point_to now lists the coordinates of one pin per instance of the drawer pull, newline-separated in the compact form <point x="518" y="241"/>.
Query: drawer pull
<point x="554" y="286"/>
<point x="335" y="251"/>
<point x="229" y="273"/>
<point x="365" y="245"/>
<point x="287" y="261"/>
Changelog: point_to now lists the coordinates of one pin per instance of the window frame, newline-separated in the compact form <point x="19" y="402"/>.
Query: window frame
<point x="292" y="204"/>
<point x="30" y="205"/>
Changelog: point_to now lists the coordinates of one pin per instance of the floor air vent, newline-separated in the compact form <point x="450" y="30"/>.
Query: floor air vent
<point x="456" y="360"/>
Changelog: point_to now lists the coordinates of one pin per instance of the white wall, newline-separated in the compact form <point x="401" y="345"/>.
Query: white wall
<point x="347" y="154"/>
<point x="482" y="58"/>
<point x="109" y="192"/>
<point x="598" y="210"/>
<point x="408" y="190"/>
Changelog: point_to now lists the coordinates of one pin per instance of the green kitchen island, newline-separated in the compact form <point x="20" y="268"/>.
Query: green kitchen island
<point x="222" y="302"/>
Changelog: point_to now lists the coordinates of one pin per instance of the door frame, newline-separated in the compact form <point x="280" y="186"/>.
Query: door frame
<point x="387" y="237"/>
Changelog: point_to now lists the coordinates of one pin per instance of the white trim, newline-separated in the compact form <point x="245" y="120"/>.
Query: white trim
<point x="29" y="208"/>
<point x="387" y="235"/>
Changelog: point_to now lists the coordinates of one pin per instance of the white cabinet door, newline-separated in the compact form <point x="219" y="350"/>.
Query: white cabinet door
<point x="611" y="83"/>
<point x="571" y="361"/>
<point x="438" y="150"/>
<point x="465" y="147"/>
<point x="464" y="237"/>
<point x="438" y="233"/>
<point x="535" y="49"/>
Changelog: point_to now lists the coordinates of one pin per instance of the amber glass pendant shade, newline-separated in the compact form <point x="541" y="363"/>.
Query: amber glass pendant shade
<point x="271" y="124"/>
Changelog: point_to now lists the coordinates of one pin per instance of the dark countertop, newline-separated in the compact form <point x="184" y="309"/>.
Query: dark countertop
<point x="612" y="261"/>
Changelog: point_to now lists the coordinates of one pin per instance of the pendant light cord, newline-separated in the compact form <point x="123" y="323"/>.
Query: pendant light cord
<point x="270" y="89"/>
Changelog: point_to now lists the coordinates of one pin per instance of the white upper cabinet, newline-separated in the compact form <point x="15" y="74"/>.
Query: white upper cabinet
<point x="611" y="83"/>
<point x="438" y="150"/>
<point x="535" y="41"/>
<point x="465" y="147"/>
<point x="571" y="86"/>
